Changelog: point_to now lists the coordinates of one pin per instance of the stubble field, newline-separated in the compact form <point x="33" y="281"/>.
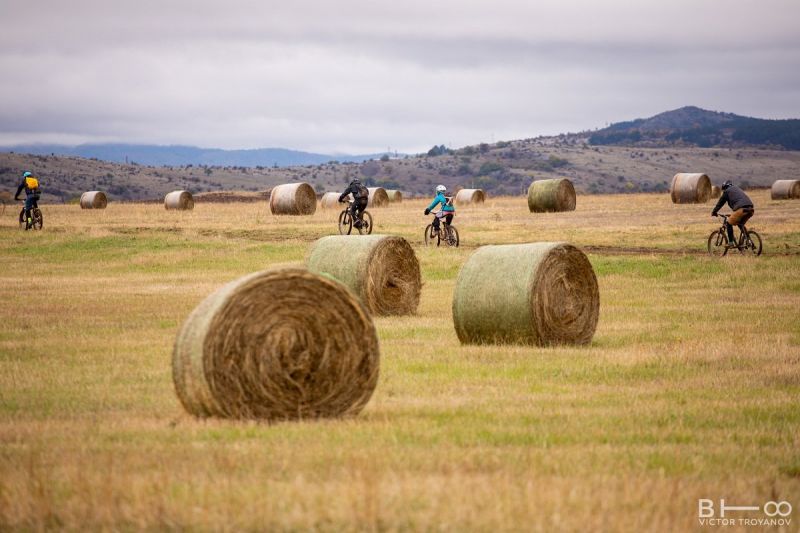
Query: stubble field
<point x="690" y="388"/>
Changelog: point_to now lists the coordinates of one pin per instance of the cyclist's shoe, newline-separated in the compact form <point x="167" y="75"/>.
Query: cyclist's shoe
<point x="357" y="224"/>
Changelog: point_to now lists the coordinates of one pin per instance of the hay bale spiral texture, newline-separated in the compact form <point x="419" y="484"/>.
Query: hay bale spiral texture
<point x="293" y="199"/>
<point x="395" y="196"/>
<point x="94" y="200"/>
<point x="690" y="188"/>
<point x="281" y="344"/>
<point x="537" y="293"/>
<point x="377" y="197"/>
<point x="181" y="200"/>
<point x="329" y="200"/>
<point x="716" y="191"/>
<point x="785" y="189"/>
<point x="381" y="270"/>
<point x="470" y="196"/>
<point x="553" y="195"/>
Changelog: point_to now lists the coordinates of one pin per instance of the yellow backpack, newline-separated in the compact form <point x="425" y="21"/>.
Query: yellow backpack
<point x="31" y="183"/>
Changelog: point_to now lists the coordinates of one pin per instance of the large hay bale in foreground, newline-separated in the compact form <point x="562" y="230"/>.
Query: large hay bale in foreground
<point x="689" y="188"/>
<point x="179" y="200"/>
<point x="381" y="270"/>
<point x="539" y="293"/>
<point x="470" y="196"/>
<point x="330" y="200"/>
<point x="785" y="189"/>
<point x="716" y="191"/>
<point x="293" y="199"/>
<point x="551" y="196"/>
<point x="395" y="196"/>
<point x="94" y="200"/>
<point x="377" y="197"/>
<point x="277" y="345"/>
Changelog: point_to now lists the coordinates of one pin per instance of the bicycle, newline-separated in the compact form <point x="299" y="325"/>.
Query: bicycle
<point x="37" y="220"/>
<point x="346" y="222"/>
<point x="749" y="240"/>
<point x="447" y="233"/>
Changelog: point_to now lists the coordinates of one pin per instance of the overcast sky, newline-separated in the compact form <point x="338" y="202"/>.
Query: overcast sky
<point x="360" y="76"/>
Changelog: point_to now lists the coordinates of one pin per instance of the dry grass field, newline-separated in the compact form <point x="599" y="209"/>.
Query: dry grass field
<point x="690" y="388"/>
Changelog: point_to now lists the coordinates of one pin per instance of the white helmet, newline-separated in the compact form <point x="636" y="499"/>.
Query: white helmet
<point x="441" y="188"/>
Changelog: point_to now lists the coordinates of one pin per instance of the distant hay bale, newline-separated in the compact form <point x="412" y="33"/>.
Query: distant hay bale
<point x="381" y="270"/>
<point x="785" y="189"/>
<point x="281" y="344"/>
<point x="470" y="196"/>
<point x="689" y="188"/>
<point x="395" y="196"/>
<point x="552" y="195"/>
<point x="716" y="191"/>
<point x="538" y="293"/>
<point x="329" y="200"/>
<point x="94" y="200"/>
<point x="377" y="197"/>
<point x="182" y="200"/>
<point x="293" y="199"/>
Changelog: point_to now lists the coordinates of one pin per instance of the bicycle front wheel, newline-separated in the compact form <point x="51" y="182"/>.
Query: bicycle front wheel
<point x="752" y="244"/>
<point x="428" y="237"/>
<point x="717" y="243"/>
<point x="366" y="223"/>
<point x="345" y="223"/>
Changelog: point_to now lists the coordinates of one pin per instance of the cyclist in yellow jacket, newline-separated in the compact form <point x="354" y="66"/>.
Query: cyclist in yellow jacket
<point x="32" y="193"/>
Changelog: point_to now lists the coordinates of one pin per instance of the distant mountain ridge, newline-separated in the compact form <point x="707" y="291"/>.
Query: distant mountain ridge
<point x="179" y="155"/>
<point x="692" y="126"/>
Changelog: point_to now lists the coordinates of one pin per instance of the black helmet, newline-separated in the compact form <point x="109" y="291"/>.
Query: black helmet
<point x="727" y="184"/>
<point x="356" y="180"/>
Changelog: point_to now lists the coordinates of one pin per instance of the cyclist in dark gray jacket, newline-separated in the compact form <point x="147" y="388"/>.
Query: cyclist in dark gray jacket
<point x="360" y="198"/>
<point x="741" y="206"/>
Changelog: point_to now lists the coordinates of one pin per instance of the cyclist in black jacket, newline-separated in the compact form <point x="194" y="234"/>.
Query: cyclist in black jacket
<point x="32" y="193"/>
<point x="741" y="206"/>
<point x="360" y="198"/>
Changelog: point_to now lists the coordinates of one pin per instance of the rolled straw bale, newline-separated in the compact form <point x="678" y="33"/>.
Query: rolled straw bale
<point x="395" y="196"/>
<point x="538" y="293"/>
<point x="329" y="200"/>
<point x="785" y="189"/>
<point x="381" y="270"/>
<point x="293" y="199"/>
<point x="470" y="196"/>
<point x="94" y="200"/>
<point x="689" y="188"/>
<point x="716" y="191"/>
<point x="276" y="345"/>
<point x="551" y="196"/>
<point x="179" y="200"/>
<point x="377" y="197"/>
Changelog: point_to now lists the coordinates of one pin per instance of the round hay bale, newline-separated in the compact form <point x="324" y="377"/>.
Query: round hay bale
<point x="377" y="197"/>
<point x="330" y="200"/>
<point x="716" y="191"/>
<point x="470" y="196"/>
<point x="538" y="293"/>
<point x="395" y="196"/>
<point x="381" y="270"/>
<point x="690" y="188"/>
<point x="785" y="189"/>
<point x="182" y="200"/>
<point x="94" y="200"/>
<point x="293" y="199"/>
<point x="551" y="196"/>
<point x="283" y="344"/>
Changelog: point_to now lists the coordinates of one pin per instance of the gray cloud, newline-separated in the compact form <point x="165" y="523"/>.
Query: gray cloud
<point x="361" y="76"/>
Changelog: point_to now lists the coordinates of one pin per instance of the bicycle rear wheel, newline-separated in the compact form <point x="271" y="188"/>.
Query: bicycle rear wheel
<point x="345" y="222"/>
<point x="717" y="243"/>
<point x="38" y="220"/>
<point x="452" y="236"/>
<point x="366" y="223"/>
<point x="752" y="244"/>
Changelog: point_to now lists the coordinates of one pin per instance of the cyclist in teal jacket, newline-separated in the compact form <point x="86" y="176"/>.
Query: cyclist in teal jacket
<point x="447" y="211"/>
